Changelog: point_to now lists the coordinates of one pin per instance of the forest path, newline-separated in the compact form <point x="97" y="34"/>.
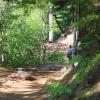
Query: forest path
<point x="31" y="90"/>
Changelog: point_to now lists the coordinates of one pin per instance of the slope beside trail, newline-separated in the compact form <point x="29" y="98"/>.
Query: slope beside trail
<point x="29" y="90"/>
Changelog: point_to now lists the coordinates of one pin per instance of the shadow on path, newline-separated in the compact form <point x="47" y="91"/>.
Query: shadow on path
<point x="31" y="90"/>
<point x="29" y="95"/>
<point x="67" y="77"/>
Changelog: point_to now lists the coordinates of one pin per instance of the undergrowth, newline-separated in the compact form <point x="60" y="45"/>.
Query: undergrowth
<point x="86" y="65"/>
<point x="56" y="57"/>
<point x="54" y="88"/>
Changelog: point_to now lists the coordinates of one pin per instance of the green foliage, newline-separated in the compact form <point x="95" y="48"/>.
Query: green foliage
<point x="21" y="36"/>
<point x="87" y="20"/>
<point x="86" y="66"/>
<point x="54" y="88"/>
<point x="56" y="35"/>
<point x="84" y="15"/>
<point x="75" y="59"/>
<point x="56" y="57"/>
<point x="56" y="30"/>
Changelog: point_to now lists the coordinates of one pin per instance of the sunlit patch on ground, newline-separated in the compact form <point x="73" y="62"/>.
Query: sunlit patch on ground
<point x="95" y="89"/>
<point x="20" y="89"/>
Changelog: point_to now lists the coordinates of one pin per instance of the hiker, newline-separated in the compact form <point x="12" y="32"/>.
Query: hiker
<point x="70" y="52"/>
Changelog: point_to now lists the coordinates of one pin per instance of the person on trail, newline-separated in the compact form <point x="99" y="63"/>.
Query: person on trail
<point x="70" y="52"/>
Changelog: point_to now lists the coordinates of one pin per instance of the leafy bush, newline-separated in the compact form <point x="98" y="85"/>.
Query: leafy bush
<point x="54" y="88"/>
<point x="56" y="57"/>
<point x="75" y="59"/>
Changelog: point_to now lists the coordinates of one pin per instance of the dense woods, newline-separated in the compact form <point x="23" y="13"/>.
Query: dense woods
<point x="26" y="25"/>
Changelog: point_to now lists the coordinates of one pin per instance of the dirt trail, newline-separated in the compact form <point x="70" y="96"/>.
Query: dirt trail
<point x="30" y="90"/>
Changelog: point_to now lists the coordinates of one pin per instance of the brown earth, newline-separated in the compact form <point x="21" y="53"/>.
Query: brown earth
<point x="18" y="89"/>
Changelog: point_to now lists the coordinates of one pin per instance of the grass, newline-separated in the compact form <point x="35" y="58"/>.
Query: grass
<point x="54" y="88"/>
<point x="56" y="57"/>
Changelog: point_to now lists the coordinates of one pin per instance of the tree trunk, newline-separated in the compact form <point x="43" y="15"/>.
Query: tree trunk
<point x="50" y="27"/>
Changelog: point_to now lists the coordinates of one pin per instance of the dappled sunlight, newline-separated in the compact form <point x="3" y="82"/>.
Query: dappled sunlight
<point x="67" y="77"/>
<point x="26" y="95"/>
<point x="67" y="41"/>
<point x="22" y="89"/>
<point x="73" y="78"/>
<point x="95" y="89"/>
<point x="49" y="49"/>
<point x="91" y="96"/>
